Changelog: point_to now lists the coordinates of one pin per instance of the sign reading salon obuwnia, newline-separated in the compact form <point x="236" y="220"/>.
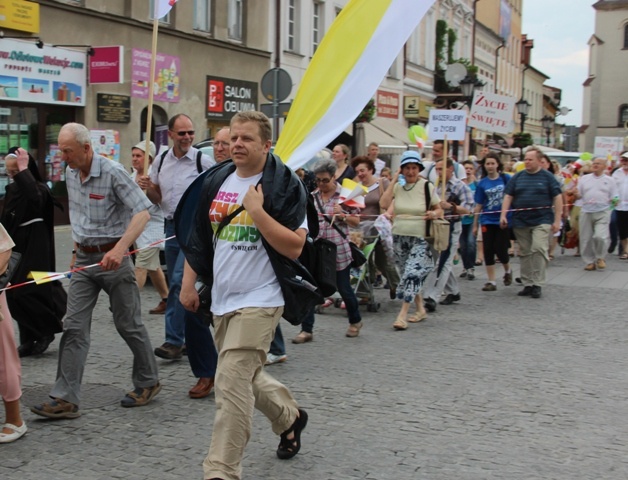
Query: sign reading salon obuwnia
<point x="228" y="96"/>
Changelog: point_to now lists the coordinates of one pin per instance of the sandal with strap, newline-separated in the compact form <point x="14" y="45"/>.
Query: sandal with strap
<point x="289" y="447"/>
<point x="140" y="396"/>
<point x="417" y="317"/>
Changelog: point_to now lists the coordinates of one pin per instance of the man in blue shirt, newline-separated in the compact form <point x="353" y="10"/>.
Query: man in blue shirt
<point x="531" y="194"/>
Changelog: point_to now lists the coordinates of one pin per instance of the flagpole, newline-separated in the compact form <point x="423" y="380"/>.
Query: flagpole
<point x="151" y="83"/>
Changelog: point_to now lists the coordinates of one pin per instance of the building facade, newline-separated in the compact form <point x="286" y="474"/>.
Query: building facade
<point x="211" y="57"/>
<point x="605" y="94"/>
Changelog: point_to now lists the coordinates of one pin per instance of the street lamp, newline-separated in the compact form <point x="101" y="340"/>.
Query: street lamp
<point x="548" y="124"/>
<point x="523" y="107"/>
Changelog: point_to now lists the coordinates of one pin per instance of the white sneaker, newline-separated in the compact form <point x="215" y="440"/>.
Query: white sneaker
<point x="272" y="359"/>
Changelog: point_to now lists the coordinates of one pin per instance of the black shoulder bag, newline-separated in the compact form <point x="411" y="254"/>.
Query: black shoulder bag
<point x="357" y="256"/>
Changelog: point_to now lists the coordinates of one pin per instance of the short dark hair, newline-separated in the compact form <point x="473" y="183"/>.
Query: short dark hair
<point x="448" y="163"/>
<point x="355" y="161"/>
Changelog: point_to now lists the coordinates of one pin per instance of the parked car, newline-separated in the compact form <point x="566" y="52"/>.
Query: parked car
<point x="563" y="157"/>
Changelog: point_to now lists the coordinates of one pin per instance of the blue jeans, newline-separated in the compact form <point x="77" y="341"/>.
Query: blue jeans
<point x="343" y="284"/>
<point x="278" y="346"/>
<point x="468" y="246"/>
<point x="181" y="325"/>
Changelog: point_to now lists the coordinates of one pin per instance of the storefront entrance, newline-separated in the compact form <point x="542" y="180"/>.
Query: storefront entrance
<point x="36" y="128"/>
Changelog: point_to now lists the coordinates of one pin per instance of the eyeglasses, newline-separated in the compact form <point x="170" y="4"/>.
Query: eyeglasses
<point x="183" y="132"/>
<point x="323" y="180"/>
<point x="222" y="144"/>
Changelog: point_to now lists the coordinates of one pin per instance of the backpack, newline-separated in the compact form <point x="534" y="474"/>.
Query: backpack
<point x="199" y="166"/>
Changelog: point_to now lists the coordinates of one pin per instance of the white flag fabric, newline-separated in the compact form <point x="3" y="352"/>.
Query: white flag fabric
<point x="348" y="66"/>
<point x="162" y="7"/>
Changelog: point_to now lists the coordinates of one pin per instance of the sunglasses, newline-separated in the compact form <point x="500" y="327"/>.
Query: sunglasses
<point x="183" y="132"/>
<point x="323" y="180"/>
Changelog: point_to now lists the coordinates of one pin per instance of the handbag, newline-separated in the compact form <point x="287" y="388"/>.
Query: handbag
<point x="5" y="278"/>
<point x="325" y="253"/>
<point x="357" y="256"/>
<point x="436" y="230"/>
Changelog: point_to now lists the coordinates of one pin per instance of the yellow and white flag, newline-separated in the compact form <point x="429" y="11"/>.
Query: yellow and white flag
<point x="348" y="66"/>
<point x="45" y="277"/>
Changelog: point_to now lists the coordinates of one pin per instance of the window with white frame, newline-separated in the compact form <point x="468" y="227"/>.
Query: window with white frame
<point x="293" y="26"/>
<point x="317" y="24"/>
<point x="203" y="15"/>
<point x="234" y="19"/>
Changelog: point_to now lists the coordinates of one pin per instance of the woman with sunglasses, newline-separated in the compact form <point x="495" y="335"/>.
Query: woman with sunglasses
<point x="327" y="202"/>
<point x="409" y="205"/>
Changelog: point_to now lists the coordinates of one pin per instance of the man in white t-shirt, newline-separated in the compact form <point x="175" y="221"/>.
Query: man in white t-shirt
<point x="597" y="190"/>
<point x="246" y="295"/>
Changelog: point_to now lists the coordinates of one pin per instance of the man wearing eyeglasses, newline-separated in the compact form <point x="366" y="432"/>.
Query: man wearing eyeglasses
<point x="170" y="177"/>
<point x="221" y="145"/>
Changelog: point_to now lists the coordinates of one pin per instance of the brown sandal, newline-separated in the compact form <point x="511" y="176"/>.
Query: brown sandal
<point x="140" y="396"/>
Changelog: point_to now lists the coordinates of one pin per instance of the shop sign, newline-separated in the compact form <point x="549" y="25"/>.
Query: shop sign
<point x="411" y="106"/>
<point x="19" y="15"/>
<point x="106" y="65"/>
<point x="424" y="109"/>
<point x="113" y="108"/>
<point x="167" y="75"/>
<point x="387" y="104"/>
<point x="228" y="96"/>
<point x="41" y="75"/>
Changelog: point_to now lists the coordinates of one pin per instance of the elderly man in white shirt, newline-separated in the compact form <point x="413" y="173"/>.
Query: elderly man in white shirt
<point x="596" y="190"/>
<point x="170" y="176"/>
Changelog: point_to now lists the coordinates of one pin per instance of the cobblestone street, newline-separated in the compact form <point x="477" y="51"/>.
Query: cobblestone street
<point x="495" y="386"/>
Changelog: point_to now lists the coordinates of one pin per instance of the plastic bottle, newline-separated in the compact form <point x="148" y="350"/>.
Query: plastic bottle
<point x="401" y="180"/>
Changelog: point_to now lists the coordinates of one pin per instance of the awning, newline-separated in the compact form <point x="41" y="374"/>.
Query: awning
<point x="389" y="134"/>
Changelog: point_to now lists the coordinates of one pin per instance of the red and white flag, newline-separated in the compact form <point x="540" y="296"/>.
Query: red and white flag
<point x="162" y="7"/>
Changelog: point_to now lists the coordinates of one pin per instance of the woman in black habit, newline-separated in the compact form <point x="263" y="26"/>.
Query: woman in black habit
<point x="28" y="216"/>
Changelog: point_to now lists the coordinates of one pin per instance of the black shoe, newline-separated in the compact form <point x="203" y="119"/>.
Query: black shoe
<point x="536" y="292"/>
<point x="518" y="280"/>
<point x="392" y="293"/>
<point x="526" y="292"/>
<point x="42" y="344"/>
<point x="430" y="304"/>
<point x="26" y="349"/>
<point x="450" y="298"/>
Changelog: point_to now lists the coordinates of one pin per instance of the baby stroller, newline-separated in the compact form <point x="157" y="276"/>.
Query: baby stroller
<point x="361" y="279"/>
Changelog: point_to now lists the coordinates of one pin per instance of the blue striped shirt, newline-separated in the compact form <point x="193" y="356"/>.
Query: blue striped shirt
<point x="532" y="190"/>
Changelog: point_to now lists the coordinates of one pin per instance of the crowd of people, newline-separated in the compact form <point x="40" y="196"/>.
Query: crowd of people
<point x="245" y="209"/>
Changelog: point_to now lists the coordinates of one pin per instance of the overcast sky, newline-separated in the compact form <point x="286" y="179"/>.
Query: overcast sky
<point x="560" y="30"/>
